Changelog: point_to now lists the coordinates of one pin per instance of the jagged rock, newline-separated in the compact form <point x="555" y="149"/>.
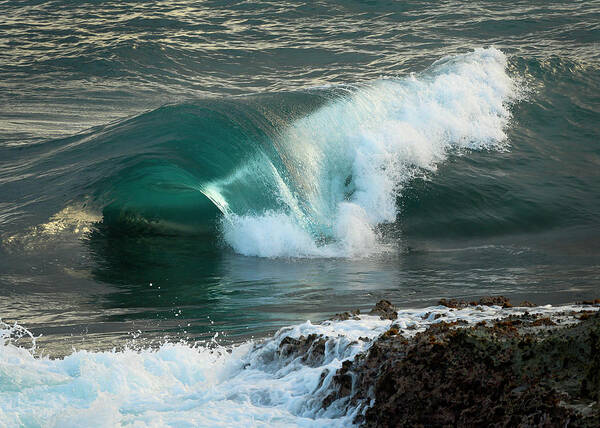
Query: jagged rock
<point x="310" y="348"/>
<point x="495" y="301"/>
<point x="512" y="372"/>
<point x="543" y="321"/>
<point x="484" y="301"/>
<point x="453" y="303"/>
<point x="344" y="316"/>
<point x="385" y="310"/>
<point x="527" y="304"/>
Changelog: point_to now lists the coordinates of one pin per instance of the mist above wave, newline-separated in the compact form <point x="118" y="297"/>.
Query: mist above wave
<point x="349" y="160"/>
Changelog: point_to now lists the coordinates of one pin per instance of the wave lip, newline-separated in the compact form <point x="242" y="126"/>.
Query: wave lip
<point x="346" y="163"/>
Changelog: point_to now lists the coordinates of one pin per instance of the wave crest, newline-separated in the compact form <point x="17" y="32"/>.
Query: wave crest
<point x="346" y="163"/>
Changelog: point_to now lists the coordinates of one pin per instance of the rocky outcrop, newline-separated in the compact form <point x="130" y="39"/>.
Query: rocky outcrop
<point x="484" y="301"/>
<point x="311" y="349"/>
<point x="521" y="371"/>
<point x="344" y="316"/>
<point x="385" y="310"/>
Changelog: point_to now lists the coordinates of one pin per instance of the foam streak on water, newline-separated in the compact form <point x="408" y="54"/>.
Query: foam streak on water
<point x="252" y="384"/>
<point x="349" y="159"/>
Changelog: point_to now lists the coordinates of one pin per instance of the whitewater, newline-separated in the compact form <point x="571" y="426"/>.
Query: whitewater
<point x="205" y="385"/>
<point x="281" y="185"/>
<point x="347" y="162"/>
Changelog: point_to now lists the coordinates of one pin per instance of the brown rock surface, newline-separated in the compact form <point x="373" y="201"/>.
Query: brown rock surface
<point x="385" y="310"/>
<point x="515" y="372"/>
<point x="484" y="301"/>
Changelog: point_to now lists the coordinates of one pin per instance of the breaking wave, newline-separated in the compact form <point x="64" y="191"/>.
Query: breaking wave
<point x="305" y="174"/>
<point x="262" y="383"/>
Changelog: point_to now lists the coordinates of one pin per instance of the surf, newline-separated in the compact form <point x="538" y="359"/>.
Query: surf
<point x="254" y="383"/>
<point x="315" y="173"/>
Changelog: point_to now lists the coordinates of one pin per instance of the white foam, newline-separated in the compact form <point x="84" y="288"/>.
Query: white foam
<point x="176" y="385"/>
<point x="180" y="385"/>
<point x="349" y="160"/>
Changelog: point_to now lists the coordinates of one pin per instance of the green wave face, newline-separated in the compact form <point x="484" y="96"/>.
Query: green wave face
<point x="327" y="172"/>
<point x="308" y="174"/>
<point x="311" y="174"/>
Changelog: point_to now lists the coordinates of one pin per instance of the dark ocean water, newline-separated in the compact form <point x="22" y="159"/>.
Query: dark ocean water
<point x="184" y="169"/>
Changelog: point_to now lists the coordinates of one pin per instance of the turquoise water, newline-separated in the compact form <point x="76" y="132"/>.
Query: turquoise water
<point x="179" y="170"/>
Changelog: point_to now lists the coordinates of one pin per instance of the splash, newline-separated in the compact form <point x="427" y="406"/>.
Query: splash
<point x="251" y="384"/>
<point x="347" y="162"/>
<point x="306" y="174"/>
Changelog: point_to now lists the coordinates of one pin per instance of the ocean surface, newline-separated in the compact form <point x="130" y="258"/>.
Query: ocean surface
<point x="179" y="180"/>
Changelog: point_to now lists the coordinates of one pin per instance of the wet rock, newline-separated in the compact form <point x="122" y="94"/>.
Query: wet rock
<point x="343" y="381"/>
<point x="585" y="315"/>
<point x="322" y="378"/>
<point x="344" y="316"/>
<point x="385" y="310"/>
<point x="393" y="331"/>
<point x="311" y="349"/>
<point x="495" y="301"/>
<point x="484" y="301"/>
<point x="543" y="321"/>
<point x="453" y="303"/>
<point x="503" y="373"/>
<point x="527" y="304"/>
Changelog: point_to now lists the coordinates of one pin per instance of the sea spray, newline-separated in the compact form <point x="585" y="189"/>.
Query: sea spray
<point x="251" y="384"/>
<point x="348" y="161"/>
<point x="307" y="174"/>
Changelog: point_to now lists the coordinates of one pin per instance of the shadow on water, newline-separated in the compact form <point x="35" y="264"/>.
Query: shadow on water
<point x="176" y="280"/>
<point x="193" y="287"/>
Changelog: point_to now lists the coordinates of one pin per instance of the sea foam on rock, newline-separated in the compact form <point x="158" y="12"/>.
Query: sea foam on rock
<point x="524" y="365"/>
<point x="524" y="369"/>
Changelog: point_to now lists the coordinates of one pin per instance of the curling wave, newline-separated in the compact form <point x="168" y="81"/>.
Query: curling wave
<point x="348" y="161"/>
<point x="305" y="174"/>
